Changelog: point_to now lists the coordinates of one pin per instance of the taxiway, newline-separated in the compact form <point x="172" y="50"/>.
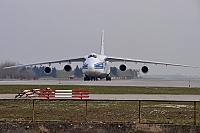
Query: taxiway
<point x="122" y="97"/>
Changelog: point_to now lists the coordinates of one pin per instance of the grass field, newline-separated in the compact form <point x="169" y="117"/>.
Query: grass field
<point x="100" y="111"/>
<point x="14" y="89"/>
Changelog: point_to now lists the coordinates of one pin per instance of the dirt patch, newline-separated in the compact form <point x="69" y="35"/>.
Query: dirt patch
<point x="95" y="127"/>
<point x="148" y="128"/>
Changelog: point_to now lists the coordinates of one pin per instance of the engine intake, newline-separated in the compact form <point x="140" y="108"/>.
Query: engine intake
<point x="68" y="68"/>
<point x="47" y="70"/>
<point x="122" y="67"/>
<point x="145" y="69"/>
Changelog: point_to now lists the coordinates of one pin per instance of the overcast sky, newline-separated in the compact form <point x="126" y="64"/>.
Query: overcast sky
<point x="33" y="31"/>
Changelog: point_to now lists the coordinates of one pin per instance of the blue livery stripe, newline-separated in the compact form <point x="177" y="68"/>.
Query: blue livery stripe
<point x="85" y="66"/>
<point x="98" y="65"/>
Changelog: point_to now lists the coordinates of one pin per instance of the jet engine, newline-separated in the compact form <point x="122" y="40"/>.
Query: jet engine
<point x="67" y="68"/>
<point x="47" y="70"/>
<point x="145" y="69"/>
<point x="122" y="67"/>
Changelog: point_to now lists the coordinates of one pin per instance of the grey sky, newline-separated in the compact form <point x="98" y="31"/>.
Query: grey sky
<point x="160" y="30"/>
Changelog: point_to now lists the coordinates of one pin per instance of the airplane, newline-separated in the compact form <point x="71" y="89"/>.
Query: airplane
<point x="97" y="66"/>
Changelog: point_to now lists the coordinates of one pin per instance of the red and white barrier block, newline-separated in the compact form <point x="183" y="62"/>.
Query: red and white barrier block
<point x="63" y="94"/>
<point x="80" y="94"/>
<point x="49" y="93"/>
<point x="46" y="94"/>
<point x="28" y="93"/>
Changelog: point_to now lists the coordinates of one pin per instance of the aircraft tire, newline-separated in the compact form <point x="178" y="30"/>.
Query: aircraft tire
<point x="86" y="78"/>
<point x="108" y="78"/>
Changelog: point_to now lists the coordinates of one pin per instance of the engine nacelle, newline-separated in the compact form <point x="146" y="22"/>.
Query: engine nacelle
<point x="47" y="70"/>
<point x="68" y="68"/>
<point x="145" y="69"/>
<point x="122" y="67"/>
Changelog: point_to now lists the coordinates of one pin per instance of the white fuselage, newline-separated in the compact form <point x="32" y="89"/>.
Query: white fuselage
<point x="96" y="66"/>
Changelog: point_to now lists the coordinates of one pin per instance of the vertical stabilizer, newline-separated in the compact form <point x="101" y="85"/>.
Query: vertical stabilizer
<point x="102" y="43"/>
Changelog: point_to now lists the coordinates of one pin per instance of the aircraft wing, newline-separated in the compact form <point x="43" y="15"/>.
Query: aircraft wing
<point x="117" y="59"/>
<point x="77" y="59"/>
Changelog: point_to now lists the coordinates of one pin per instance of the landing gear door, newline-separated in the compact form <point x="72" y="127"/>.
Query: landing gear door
<point x="107" y="67"/>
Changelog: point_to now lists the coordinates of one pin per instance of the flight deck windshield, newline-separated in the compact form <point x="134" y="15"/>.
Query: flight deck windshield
<point x="92" y="55"/>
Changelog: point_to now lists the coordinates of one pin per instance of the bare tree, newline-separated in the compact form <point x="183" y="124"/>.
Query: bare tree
<point x="8" y="73"/>
<point x="28" y="73"/>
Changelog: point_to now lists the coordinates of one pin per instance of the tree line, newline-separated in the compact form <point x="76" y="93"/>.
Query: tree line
<point x="23" y="72"/>
<point x="38" y="72"/>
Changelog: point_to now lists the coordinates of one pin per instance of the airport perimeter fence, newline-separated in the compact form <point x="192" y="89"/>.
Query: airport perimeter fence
<point x="101" y="111"/>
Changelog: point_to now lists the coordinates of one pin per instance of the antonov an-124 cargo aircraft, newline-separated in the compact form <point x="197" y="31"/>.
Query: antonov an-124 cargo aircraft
<point x="96" y="66"/>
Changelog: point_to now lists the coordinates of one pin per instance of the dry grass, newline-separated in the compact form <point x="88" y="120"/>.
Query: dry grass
<point x="98" y="111"/>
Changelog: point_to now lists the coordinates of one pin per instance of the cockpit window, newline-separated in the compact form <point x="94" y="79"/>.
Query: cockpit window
<point x="92" y="55"/>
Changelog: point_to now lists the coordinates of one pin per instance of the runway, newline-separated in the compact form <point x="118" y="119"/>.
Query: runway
<point x="134" y="82"/>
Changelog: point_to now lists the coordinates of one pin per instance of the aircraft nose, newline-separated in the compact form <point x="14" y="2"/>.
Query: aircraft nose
<point x="91" y="67"/>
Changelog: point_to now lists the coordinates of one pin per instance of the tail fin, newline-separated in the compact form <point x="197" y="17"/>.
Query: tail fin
<point x="102" y="43"/>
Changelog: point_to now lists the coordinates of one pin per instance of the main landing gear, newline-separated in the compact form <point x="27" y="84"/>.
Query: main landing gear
<point x="87" y="78"/>
<point x="108" y="78"/>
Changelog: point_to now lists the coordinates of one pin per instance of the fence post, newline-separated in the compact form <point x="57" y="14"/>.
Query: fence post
<point x="139" y="111"/>
<point x="33" y="109"/>
<point x="195" y="113"/>
<point x="86" y="108"/>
